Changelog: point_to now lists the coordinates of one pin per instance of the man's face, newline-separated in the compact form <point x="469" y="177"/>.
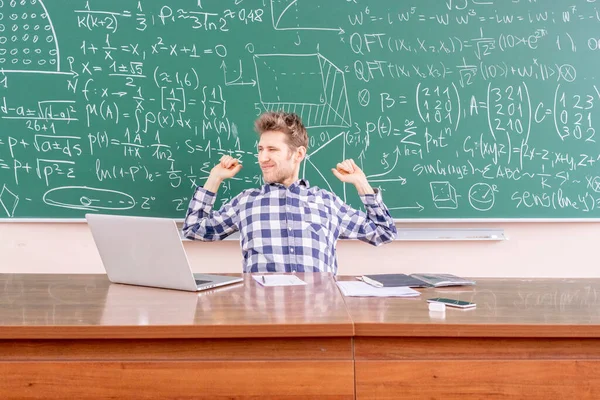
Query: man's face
<point x="279" y="164"/>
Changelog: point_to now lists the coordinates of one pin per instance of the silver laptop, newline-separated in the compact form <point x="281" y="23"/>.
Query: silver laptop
<point x="147" y="251"/>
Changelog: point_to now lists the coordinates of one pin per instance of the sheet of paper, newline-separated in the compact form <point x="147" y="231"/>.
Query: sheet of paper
<point x="362" y="289"/>
<point x="278" y="280"/>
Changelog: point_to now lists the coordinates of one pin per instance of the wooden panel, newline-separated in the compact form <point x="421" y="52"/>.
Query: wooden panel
<point x="41" y="306"/>
<point x="505" y="308"/>
<point x="184" y="349"/>
<point x="181" y="380"/>
<point x="465" y="380"/>
<point x="386" y="348"/>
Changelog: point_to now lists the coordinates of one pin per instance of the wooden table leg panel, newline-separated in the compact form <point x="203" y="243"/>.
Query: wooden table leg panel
<point x="478" y="379"/>
<point x="181" y="380"/>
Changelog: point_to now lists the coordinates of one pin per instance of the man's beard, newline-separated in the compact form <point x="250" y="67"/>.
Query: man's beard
<point x="277" y="176"/>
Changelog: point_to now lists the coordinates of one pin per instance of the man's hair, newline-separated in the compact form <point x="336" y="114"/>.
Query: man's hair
<point x="288" y="123"/>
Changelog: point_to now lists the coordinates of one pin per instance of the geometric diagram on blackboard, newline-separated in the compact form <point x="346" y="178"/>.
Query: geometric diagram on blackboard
<point x="28" y="43"/>
<point x="88" y="198"/>
<point x="306" y="84"/>
<point x="444" y="195"/>
<point x="317" y="165"/>
<point x="9" y="201"/>
<point x="481" y="196"/>
<point x="286" y="12"/>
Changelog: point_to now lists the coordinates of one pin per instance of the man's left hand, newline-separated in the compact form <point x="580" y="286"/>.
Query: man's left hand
<point x="347" y="171"/>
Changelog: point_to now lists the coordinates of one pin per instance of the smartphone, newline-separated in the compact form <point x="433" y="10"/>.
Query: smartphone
<point x="452" y="302"/>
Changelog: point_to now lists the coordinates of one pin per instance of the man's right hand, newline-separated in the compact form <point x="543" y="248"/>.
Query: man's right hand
<point x="227" y="168"/>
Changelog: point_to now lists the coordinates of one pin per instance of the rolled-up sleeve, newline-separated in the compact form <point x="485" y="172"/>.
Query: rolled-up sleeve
<point x="375" y="226"/>
<point x="204" y="223"/>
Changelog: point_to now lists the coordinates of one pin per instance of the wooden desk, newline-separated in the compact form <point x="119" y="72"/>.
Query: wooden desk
<point x="78" y="336"/>
<point x="527" y="339"/>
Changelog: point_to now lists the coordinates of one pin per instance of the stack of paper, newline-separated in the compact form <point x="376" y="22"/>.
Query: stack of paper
<point x="361" y="289"/>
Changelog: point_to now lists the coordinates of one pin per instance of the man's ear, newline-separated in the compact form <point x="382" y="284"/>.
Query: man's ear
<point x="300" y="153"/>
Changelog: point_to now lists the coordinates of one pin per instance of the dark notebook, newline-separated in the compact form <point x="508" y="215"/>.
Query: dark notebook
<point x="415" y="280"/>
<point x="393" y="280"/>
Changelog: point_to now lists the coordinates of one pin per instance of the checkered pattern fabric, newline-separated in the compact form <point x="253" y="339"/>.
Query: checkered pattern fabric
<point x="293" y="229"/>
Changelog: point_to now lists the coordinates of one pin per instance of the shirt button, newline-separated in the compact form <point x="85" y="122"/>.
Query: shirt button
<point x="292" y="250"/>
<point x="290" y="228"/>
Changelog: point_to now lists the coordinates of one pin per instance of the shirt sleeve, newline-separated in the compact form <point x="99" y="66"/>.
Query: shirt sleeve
<point x="375" y="227"/>
<point x="204" y="223"/>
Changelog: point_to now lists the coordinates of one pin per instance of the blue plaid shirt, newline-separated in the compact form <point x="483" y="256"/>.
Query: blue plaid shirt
<point x="292" y="229"/>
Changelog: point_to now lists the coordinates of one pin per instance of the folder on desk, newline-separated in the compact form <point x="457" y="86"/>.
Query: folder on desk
<point x="415" y="280"/>
<point x="392" y="280"/>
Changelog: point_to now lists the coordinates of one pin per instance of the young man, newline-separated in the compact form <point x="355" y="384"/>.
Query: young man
<point x="287" y="225"/>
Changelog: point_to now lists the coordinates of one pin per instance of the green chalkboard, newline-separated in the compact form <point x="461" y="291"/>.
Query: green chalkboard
<point x="456" y="109"/>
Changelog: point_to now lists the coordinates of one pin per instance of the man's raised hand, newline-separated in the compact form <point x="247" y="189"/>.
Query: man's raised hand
<point x="347" y="171"/>
<point x="227" y="168"/>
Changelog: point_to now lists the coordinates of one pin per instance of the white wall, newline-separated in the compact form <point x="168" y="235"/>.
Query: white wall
<point x="534" y="250"/>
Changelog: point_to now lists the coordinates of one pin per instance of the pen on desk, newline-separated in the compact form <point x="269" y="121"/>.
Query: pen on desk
<point x="263" y="279"/>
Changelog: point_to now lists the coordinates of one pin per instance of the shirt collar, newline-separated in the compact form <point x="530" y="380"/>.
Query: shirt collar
<point x="294" y="187"/>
